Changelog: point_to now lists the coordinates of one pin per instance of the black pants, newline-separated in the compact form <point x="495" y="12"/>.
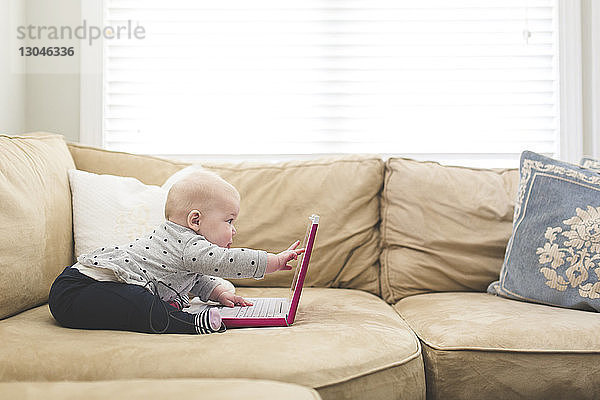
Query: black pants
<point x="78" y="301"/>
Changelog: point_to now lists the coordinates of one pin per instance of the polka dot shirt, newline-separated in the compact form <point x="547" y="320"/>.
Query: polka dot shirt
<point x="175" y="255"/>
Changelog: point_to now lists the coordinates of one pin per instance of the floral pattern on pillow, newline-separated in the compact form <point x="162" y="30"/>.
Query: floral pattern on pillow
<point x="576" y="261"/>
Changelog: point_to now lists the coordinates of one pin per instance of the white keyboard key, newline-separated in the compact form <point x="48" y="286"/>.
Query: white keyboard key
<point x="243" y="311"/>
<point x="259" y="312"/>
<point x="265" y="308"/>
<point x="281" y="307"/>
<point x="257" y="307"/>
<point x="271" y="309"/>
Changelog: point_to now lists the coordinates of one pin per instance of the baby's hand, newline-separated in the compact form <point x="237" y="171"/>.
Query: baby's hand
<point x="229" y="299"/>
<point x="223" y="295"/>
<point x="278" y="262"/>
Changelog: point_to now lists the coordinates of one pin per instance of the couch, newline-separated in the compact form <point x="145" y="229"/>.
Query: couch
<point x="394" y="305"/>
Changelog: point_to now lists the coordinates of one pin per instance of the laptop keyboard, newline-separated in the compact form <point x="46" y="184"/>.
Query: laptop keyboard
<point x="261" y="308"/>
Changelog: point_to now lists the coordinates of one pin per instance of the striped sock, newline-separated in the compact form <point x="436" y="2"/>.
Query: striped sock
<point x="208" y="321"/>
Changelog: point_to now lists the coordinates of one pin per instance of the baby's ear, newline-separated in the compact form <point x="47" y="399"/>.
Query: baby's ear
<point x="193" y="220"/>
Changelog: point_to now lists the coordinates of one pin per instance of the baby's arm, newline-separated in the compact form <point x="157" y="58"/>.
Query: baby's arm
<point x="275" y="262"/>
<point x="208" y="259"/>
<point x="208" y="288"/>
<point x="203" y="257"/>
<point x="205" y="286"/>
<point x="217" y="289"/>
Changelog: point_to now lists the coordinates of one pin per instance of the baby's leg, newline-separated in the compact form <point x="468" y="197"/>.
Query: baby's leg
<point x="77" y="301"/>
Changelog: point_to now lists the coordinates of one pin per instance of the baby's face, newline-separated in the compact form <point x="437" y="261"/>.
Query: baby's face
<point x="216" y="224"/>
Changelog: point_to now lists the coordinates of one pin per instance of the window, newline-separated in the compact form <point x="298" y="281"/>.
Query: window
<point x="466" y="82"/>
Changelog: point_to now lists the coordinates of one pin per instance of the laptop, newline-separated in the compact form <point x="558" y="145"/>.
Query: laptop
<point x="271" y="312"/>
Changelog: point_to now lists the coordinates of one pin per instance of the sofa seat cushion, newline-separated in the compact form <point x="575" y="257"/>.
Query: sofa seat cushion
<point x="159" y="389"/>
<point x="343" y="342"/>
<point x="476" y="345"/>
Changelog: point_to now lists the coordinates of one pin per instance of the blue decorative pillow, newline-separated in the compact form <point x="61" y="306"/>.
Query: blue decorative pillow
<point x="590" y="163"/>
<point x="553" y="255"/>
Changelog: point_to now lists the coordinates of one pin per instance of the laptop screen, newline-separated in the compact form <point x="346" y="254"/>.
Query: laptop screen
<point x="313" y="219"/>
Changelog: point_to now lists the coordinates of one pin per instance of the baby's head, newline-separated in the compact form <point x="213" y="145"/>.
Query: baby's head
<point x="205" y="203"/>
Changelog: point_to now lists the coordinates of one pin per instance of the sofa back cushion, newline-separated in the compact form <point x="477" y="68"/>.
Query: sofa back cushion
<point x="147" y="169"/>
<point x="35" y="214"/>
<point x="277" y="199"/>
<point x="443" y="228"/>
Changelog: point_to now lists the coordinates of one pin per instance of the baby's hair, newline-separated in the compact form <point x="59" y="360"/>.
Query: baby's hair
<point x="197" y="190"/>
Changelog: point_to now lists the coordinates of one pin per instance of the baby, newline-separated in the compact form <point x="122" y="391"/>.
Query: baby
<point x="142" y="286"/>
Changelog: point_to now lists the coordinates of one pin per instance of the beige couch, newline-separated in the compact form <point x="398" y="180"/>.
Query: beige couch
<point x="394" y="309"/>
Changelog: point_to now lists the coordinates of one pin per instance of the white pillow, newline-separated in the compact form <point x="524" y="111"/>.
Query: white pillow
<point x="113" y="210"/>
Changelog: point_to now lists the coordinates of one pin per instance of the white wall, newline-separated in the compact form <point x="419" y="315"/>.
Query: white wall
<point x="32" y="101"/>
<point x="53" y="96"/>
<point x="12" y="71"/>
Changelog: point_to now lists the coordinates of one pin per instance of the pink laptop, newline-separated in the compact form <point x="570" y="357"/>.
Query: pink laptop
<point x="275" y="311"/>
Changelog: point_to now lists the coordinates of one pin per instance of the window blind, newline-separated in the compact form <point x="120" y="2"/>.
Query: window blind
<point x="469" y="81"/>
